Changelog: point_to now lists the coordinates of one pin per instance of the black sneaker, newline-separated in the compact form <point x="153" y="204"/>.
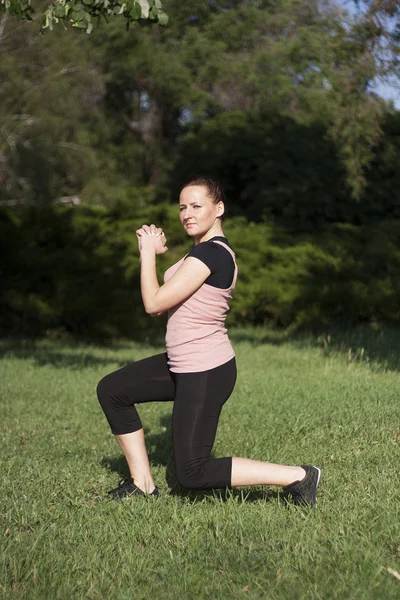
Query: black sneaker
<point x="304" y="492"/>
<point x="127" y="488"/>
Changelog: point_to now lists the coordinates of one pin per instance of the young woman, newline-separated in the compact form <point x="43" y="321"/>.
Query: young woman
<point x="198" y="370"/>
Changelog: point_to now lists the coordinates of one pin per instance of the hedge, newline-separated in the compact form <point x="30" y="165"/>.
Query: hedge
<point x="76" y="269"/>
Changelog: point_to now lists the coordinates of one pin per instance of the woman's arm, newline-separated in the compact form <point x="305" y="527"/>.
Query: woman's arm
<point x="187" y="279"/>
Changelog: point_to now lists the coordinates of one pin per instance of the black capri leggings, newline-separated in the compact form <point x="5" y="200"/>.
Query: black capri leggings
<point x="198" y="400"/>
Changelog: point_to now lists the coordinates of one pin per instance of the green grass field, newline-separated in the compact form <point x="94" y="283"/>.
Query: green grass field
<point x="332" y="401"/>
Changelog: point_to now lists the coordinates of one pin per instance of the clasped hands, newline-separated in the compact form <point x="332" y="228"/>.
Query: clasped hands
<point x="151" y="238"/>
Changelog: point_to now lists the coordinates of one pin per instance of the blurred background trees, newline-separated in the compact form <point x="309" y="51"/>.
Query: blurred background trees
<point x="275" y="99"/>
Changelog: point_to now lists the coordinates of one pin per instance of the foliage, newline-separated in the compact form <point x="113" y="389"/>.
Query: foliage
<point x="62" y="262"/>
<point x="77" y="270"/>
<point x="84" y="13"/>
<point x="275" y="99"/>
<point x="288" y="173"/>
<point x="372" y="41"/>
<point x="118" y="103"/>
<point x="48" y="146"/>
<point x="348" y="275"/>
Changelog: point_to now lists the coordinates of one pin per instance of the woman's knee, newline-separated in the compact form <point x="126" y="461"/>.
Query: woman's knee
<point x="188" y="483"/>
<point x="190" y="474"/>
<point x="103" y="391"/>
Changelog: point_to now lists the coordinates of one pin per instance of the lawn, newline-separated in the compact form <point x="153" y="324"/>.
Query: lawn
<point x="331" y="400"/>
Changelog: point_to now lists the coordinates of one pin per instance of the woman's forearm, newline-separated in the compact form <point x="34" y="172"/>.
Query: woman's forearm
<point x="148" y="280"/>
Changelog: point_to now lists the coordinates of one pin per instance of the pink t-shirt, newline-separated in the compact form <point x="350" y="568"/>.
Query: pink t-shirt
<point x="196" y="338"/>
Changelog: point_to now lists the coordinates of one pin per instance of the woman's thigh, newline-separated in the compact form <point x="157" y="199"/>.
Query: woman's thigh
<point x="199" y="398"/>
<point x="146" y="380"/>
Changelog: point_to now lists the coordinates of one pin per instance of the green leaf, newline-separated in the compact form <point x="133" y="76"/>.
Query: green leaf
<point x="77" y="12"/>
<point x="79" y="24"/>
<point x="153" y="13"/>
<point x="145" y="8"/>
<point x="59" y="11"/>
<point x="136" y="12"/>
<point x="162" y="17"/>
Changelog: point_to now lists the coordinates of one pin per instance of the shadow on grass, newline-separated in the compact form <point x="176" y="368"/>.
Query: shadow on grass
<point x="59" y="355"/>
<point x="377" y="346"/>
<point x="160" y="453"/>
<point x="380" y="347"/>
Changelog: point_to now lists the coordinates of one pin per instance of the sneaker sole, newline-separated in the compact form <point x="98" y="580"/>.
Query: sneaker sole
<point x="318" y="480"/>
<point x="319" y="475"/>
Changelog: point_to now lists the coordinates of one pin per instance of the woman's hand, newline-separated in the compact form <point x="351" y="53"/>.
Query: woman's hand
<point x="151" y="238"/>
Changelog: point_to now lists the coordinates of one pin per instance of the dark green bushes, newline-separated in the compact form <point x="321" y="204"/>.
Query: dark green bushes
<point x="76" y="269"/>
<point x="276" y="169"/>
<point x="350" y="274"/>
<point x="70" y="269"/>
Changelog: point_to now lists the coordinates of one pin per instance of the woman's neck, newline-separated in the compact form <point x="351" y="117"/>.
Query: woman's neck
<point x="209" y="235"/>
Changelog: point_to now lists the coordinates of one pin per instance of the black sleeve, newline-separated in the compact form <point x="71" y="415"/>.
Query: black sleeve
<point x="218" y="260"/>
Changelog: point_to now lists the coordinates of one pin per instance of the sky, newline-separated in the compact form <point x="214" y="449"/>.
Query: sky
<point x="386" y="91"/>
<point x="389" y="93"/>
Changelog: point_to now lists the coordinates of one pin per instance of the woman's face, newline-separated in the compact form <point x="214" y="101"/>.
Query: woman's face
<point x="197" y="211"/>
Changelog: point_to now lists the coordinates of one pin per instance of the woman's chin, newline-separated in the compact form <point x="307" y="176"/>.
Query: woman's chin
<point x="190" y="231"/>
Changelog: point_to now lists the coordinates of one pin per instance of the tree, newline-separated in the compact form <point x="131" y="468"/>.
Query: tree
<point x="367" y="50"/>
<point x="49" y="99"/>
<point x="302" y="60"/>
<point x="84" y="13"/>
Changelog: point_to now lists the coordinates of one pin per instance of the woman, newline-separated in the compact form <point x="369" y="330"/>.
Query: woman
<point x="198" y="371"/>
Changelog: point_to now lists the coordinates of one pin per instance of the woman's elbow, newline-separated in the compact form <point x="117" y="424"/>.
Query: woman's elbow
<point x="152" y="311"/>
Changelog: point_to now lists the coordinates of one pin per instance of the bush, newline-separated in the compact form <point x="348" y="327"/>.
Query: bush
<point x="76" y="269"/>
<point x="351" y="274"/>
<point x="276" y="169"/>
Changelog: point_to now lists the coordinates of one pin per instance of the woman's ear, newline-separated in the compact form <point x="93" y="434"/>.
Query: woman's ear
<point x="220" y="209"/>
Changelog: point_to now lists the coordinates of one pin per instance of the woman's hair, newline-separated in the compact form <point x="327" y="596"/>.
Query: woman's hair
<point x="213" y="187"/>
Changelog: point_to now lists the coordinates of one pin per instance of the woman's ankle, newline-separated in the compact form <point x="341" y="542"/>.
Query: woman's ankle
<point x="302" y="474"/>
<point x="146" y="485"/>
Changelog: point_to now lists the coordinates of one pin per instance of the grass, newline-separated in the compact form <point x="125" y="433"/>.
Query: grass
<point x="332" y="401"/>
